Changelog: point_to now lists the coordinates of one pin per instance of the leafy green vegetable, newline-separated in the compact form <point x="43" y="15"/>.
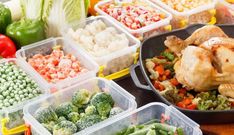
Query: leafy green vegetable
<point x="64" y="128"/>
<point x="45" y="115"/>
<point x="81" y="97"/>
<point x="65" y="109"/>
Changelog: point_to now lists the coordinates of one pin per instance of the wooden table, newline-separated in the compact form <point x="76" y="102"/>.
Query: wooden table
<point x="143" y="97"/>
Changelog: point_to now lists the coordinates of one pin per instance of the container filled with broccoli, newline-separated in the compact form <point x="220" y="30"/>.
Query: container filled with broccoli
<point x="78" y="109"/>
<point x="151" y="119"/>
<point x="17" y="88"/>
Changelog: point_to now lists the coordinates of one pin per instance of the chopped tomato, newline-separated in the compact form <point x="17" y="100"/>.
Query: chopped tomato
<point x="191" y="106"/>
<point x="181" y="104"/>
<point x="187" y="101"/>
<point x="159" y="86"/>
<point x="167" y="72"/>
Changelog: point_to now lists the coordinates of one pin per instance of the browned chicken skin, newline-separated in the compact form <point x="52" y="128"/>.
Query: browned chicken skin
<point x="207" y="65"/>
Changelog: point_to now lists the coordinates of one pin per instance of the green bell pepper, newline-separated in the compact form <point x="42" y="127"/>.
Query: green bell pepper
<point x="5" y="18"/>
<point x="25" y="32"/>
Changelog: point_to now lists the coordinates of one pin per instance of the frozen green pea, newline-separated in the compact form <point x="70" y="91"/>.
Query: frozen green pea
<point x="11" y="101"/>
<point x="20" y="92"/>
<point x="1" y="97"/>
<point x="21" y="96"/>
<point x="6" y="104"/>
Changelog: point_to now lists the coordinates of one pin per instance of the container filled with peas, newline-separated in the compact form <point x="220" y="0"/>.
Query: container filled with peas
<point x="17" y="88"/>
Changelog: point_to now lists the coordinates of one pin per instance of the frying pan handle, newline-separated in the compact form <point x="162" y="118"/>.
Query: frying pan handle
<point x="135" y="78"/>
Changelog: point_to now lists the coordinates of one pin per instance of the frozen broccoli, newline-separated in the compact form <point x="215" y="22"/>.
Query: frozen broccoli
<point x="49" y="126"/>
<point x="87" y="121"/>
<point x="114" y="111"/>
<point x="102" y="97"/>
<point x="61" y="118"/>
<point x="73" y="117"/>
<point x="81" y="97"/>
<point x="90" y="110"/>
<point x="65" y="108"/>
<point x="104" y="109"/>
<point x="64" y="128"/>
<point x="45" y="115"/>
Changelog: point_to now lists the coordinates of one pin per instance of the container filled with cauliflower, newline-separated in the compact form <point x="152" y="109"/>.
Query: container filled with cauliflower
<point x="79" y="109"/>
<point x="187" y="12"/>
<point x="139" y="17"/>
<point x="17" y="88"/>
<point x="106" y="43"/>
<point x="57" y="62"/>
<point x="225" y="12"/>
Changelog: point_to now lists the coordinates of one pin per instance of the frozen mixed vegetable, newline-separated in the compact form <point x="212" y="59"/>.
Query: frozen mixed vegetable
<point x="15" y="85"/>
<point x="186" y="5"/>
<point x="98" y="39"/>
<point x="153" y="127"/>
<point x="84" y="110"/>
<point x="134" y="15"/>
<point x="56" y="66"/>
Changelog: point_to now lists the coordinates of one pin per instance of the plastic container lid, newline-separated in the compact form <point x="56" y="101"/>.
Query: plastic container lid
<point x="227" y="4"/>
<point x="144" y="29"/>
<point x="5" y="112"/>
<point x="186" y="13"/>
<point x="121" y="97"/>
<point x="145" y="114"/>
<point x="44" y="47"/>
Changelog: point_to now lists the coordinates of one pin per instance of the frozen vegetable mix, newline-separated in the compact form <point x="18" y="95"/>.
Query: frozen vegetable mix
<point x="57" y="65"/>
<point x="133" y="15"/>
<point x="82" y="111"/>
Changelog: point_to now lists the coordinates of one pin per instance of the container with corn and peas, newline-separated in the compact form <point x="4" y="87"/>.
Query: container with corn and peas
<point x="187" y="12"/>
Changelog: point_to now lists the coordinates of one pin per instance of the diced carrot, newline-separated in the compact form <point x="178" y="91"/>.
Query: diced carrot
<point x="158" y="86"/>
<point x="160" y="69"/>
<point x="164" y="77"/>
<point x="187" y="101"/>
<point x="174" y="82"/>
<point x="167" y="72"/>
<point x="181" y="104"/>
<point x="191" y="106"/>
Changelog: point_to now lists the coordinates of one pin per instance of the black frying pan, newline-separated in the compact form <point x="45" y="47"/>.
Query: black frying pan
<point x="153" y="47"/>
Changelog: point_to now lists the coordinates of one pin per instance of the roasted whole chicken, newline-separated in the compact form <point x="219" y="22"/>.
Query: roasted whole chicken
<point x="206" y="60"/>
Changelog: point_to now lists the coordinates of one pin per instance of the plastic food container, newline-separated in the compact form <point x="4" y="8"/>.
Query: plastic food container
<point x="145" y="114"/>
<point x="121" y="97"/>
<point x="146" y="31"/>
<point x="45" y="47"/>
<point x="201" y="14"/>
<point x="12" y="117"/>
<point x="225" y="12"/>
<point x="117" y="63"/>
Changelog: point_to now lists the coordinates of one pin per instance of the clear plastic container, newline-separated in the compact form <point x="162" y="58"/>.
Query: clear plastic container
<point x="225" y="12"/>
<point x="121" y="97"/>
<point x="146" y="31"/>
<point x="201" y="14"/>
<point x="45" y="47"/>
<point x="145" y="114"/>
<point x="12" y="117"/>
<point x="115" y="64"/>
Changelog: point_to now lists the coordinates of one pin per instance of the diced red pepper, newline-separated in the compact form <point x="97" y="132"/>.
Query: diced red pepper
<point x="174" y="82"/>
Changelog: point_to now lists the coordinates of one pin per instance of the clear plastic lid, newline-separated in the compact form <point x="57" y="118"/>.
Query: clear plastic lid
<point x="45" y="47"/>
<point x="121" y="97"/>
<point x="146" y="113"/>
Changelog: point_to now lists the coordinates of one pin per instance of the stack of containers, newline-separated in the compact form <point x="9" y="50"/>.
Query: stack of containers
<point x="115" y="64"/>
<point x="189" y="11"/>
<point x="12" y="117"/>
<point x="225" y="12"/>
<point x="122" y="99"/>
<point x="141" y="18"/>
<point x="45" y="48"/>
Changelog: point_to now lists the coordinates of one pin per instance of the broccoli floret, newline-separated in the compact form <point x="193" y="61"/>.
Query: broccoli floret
<point x="102" y="97"/>
<point x="90" y="110"/>
<point x="45" y="115"/>
<point x="104" y="109"/>
<point x="81" y="97"/>
<point x="65" y="108"/>
<point x="114" y="111"/>
<point x="49" y="126"/>
<point x="61" y="118"/>
<point x="64" y="128"/>
<point x="87" y="121"/>
<point x="73" y="117"/>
